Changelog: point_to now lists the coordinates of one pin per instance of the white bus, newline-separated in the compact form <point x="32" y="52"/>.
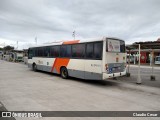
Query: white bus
<point x="1" y="55"/>
<point x="157" y="60"/>
<point x="90" y="59"/>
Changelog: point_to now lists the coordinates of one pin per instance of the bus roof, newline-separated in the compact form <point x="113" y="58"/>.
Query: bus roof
<point x="75" y="41"/>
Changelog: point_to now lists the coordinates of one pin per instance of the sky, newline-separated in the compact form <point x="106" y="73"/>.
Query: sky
<point x="55" y="20"/>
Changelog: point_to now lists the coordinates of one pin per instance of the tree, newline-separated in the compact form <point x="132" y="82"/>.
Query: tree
<point x="1" y="48"/>
<point x="7" y="48"/>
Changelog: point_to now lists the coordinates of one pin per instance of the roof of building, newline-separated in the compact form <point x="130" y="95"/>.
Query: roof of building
<point x="144" y="45"/>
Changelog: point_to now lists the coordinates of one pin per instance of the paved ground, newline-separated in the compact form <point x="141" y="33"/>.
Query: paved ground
<point x="22" y="89"/>
<point x="146" y="72"/>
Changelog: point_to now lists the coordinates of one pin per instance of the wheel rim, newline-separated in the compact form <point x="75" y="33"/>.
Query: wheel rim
<point x="64" y="73"/>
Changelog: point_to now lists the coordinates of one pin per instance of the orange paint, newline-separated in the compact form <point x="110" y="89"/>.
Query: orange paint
<point x="60" y="62"/>
<point x="71" y="42"/>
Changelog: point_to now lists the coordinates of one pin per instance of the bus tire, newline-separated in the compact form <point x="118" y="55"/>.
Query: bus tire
<point x="34" y="67"/>
<point x="64" y="73"/>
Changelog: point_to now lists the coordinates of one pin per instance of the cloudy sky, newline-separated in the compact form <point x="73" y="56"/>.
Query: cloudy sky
<point x="53" y="20"/>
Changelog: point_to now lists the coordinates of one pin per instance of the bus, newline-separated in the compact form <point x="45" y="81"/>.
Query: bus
<point x="90" y="59"/>
<point x="1" y="55"/>
<point x="157" y="60"/>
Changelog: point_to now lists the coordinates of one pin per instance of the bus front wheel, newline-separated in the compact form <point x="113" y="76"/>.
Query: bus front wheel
<point x="64" y="73"/>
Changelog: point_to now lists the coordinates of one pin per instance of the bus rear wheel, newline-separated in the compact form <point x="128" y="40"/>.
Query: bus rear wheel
<point x="34" y="66"/>
<point x="64" y="73"/>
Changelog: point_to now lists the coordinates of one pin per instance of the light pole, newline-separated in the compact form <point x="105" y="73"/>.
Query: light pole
<point x="73" y="35"/>
<point x="139" y="73"/>
<point x="128" y="74"/>
<point x="36" y="40"/>
<point x="17" y="45"/>
<point x="152" y="62"/>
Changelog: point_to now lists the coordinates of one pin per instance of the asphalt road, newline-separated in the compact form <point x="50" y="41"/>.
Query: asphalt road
<point x="21" y="89"/>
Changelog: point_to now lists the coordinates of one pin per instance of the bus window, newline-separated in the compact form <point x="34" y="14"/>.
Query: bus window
<point x="46" y="51"/>
<point x="122" y="47"/>
<point x="40" y="52"/>
<point x="89" y="50"/>
<point x="158" y="58"/>
<point x="78" y="51"/>
<point x="65" y="51"/>
<point x="30" y="53"/>
<point x="98" y="50"/>
<point x="54" y="51"/>
<point x="114" y="45"/>
<point x="36" y="52"/>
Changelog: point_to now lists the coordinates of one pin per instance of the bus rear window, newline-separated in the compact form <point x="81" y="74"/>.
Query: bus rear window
<point x="122" y="47"/>
<point x="113" y="45"/>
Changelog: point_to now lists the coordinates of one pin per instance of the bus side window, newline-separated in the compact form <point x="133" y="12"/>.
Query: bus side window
<point x="98" y="50"/>
<point x="89" y="51"/>
<point x="40" y="52"/>
<point x="30" y="51"/>
<point x="57" y="51"/>
<point x="65" y="51"/>
<point x="47" y="51"/>
<point x="78" y="51"/>
<point x="54" y="51"/>
<point x="36" y="52"/>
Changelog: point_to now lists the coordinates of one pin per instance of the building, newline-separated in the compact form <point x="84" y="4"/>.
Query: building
<point x="149" y="50"/>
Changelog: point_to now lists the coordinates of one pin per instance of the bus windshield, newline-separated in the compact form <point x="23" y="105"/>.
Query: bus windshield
<point x="114" y="45"/>
<point x="158" y="58"/>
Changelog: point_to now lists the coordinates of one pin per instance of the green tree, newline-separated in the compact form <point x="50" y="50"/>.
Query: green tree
<point x="6" y="48"/>
<point x="1" y="48"/>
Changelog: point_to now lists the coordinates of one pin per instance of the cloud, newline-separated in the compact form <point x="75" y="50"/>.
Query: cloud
<point x="52" y="20"/>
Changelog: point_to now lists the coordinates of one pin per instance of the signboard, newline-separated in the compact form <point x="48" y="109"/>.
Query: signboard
<point x="113" y="46"/>
<point x="143" y="57"/>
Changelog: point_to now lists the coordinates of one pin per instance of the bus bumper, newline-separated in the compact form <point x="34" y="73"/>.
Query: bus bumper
<point x="112" y="75"/>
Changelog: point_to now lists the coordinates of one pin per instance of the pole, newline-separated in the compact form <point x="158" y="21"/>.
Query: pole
<point x="74" y="32"/>
<point x="17" y="45"/>
<point x="36" y="40"/>
<point x="152" y="60"/>
<point x="127" y="73"/>
<point x="139" y="74"/>
<point x="152" y="76"/>
<point x="134" y="58"/>
<point x="129" y="61"/>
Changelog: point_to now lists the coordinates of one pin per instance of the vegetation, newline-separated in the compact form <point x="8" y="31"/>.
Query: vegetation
<point x="7" y="48"/>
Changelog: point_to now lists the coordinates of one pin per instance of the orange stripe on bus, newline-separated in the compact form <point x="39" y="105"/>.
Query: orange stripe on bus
<point x="71" y="42"/>
<point x="60" y="62"/>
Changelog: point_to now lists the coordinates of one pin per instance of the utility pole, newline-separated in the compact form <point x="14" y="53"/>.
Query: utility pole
<point x="73" y="35"/>
<point x="17" y="45"/>
<point x="36" y="40"/>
